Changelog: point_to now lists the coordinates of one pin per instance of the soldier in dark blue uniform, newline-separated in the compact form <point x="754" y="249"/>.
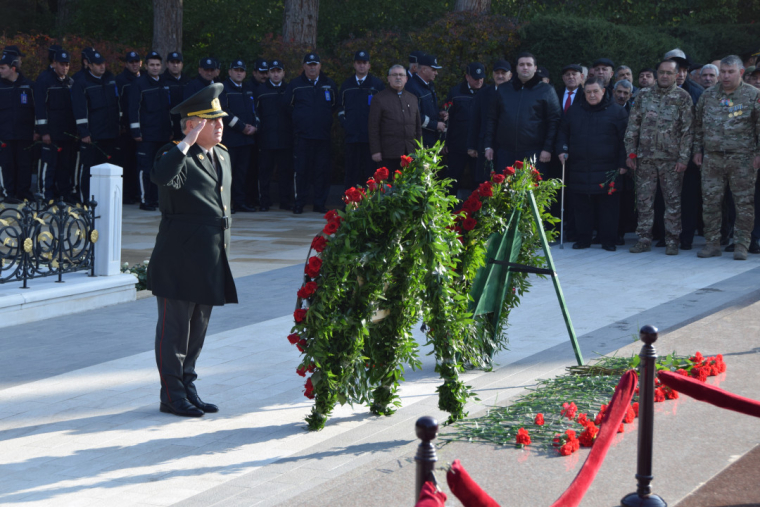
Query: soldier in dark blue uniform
<point x="95" y="100"/>
<point x="16" y="130"/>
<point x="150" y="124"/>
<point x="421" y="85"/>
<point x="55" y="123"/>
<point x="207" y="68"/>
<point x="127" y="147"/>
<point x="312" y="98"/>
<point x="239" y="126"/>
<point x="85" y="66"/>
<point x="461" y="98"/>
<point x="275" y="138"/>
<point x="353" y="112"/>
<point x="15" y="52"/>
<point x="176" y="82"/>
<point x="413" y="57"/>
<point x="502" y="72"/>
<point x="260" y="72"/>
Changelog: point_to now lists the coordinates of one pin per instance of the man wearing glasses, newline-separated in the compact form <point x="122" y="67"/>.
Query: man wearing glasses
<point x="394" y="122"/>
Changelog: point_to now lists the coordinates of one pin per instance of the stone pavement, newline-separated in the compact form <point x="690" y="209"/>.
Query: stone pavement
<point x="79" y="419"/>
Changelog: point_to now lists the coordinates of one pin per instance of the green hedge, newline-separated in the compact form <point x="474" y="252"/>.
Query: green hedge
<point x="559" y="40"/>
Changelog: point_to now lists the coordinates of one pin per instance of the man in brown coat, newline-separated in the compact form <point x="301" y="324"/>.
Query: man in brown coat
<point x="394" y="121"/>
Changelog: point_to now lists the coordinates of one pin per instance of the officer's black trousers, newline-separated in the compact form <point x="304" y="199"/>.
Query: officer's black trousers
<point x="146" y="154"/>
<point x="180" y="333"/>
<point x="691" y="203"/>
<point x="457" y="163"/>
<point x="16" y="169"/>
<point x="90" y="155"/>
<point x="311" y="164"/>
<point x="127" y="159"/>
<point x="600" y="209"/>
<point x="283" y="161"/>
<point x="240" y="160"/>
<point x="55" y="171"/>
<point x="359" y="165"/>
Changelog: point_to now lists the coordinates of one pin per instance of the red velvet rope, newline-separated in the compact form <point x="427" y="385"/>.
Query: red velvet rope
<point x="431" y="497"/>
<point x="611" y="421"/>
<point x="465" y="489"/>
<point x="710" y="394"/>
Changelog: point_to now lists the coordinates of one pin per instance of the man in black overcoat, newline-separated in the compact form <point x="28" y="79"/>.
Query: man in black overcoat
<point x="189" y="270"/>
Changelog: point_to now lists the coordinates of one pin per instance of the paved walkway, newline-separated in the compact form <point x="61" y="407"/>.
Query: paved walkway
<point x="79" y="419"/>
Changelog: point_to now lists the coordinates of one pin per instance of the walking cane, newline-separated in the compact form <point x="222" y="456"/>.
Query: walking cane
<point x="562" y="212"/>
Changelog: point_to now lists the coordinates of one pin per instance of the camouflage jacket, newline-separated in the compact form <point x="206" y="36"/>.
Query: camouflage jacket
<point x="728" y="122"/>
<point x="659" y="126"/>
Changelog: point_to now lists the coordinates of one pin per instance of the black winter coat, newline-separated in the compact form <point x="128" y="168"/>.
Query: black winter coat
<point x="353" y="109"/>
<point x="462" y="101"/>
<point x="96" y="106"/>
<point x="16" y="109"/>
<point x="124" y="83"/>
<point x="52" y="104"/>
<point x="276" y="124"/>
<point x="523" y="117"/>
<point x="479" y="118"/>
<point x="427" y="100"/>
<point x="149" y="106"/>
<point x="312" y="106"/>
<point x="237" y="102"/>
<point x="592" y="137"/>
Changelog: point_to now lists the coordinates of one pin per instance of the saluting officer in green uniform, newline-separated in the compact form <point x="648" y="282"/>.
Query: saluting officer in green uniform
<point x="189" y="271"/>
<point x="726" y="135"/>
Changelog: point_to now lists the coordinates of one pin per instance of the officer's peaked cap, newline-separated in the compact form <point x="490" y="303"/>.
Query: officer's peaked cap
<point x="311" y="58"/>
<point x="476" y="70"/>
<point x="428" y="61"/>
<point x="203" y="104"/>
<point x="62" y="56"/>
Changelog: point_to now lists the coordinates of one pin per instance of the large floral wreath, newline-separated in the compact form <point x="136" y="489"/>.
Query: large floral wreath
<point x="396" y="255"/>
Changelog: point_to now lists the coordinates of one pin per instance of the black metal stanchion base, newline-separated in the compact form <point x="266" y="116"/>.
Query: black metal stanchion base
<point x="634" y="500"/>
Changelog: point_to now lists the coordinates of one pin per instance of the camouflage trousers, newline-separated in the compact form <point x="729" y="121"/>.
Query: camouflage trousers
<point x="734" y="169"/>
<point x="648" y="173"/>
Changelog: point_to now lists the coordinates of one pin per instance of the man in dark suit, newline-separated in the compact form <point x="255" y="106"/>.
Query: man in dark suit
<point x="189" y="271"/>
<point x="421" y="85"/>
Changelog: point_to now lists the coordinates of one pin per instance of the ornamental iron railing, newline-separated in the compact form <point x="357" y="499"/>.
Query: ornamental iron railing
<point x="40" y="239"/>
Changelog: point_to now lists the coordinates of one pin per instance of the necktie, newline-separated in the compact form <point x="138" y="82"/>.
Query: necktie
<point x="569" y="101"/>
<point x="313" y="82"/>
<point x="360" y="82"/>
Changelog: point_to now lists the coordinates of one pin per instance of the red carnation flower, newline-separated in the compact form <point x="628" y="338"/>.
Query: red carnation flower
<point x="519" y="164"/>
<point x="569" y="410"/>
<point x="601" y="185"/>
<point x="670" y="393"/>
<point x="683" y="372"/>
<point x="598" y="418"/>
<point x="588" y="435"/>
<point x="697" y="358"/>
<point x="309" y="389"/>
<point x="307" y="290"/>
<point x="397" y="174"/>
<point x="469" y="224"/>
<point x="659" y="395"/>
<point x="630" y="415"/>
<point x="293" y="338"/>
<point x="301" y="345"/>
<point x="497" y="178"/>
<point x="536" y="175"/>
<point x="612" y="183"/>
<point x="108" y="157"/>
<point x="319" y="243"/>
<point x="509" y="171"/>
<point x="406" y="161"/>
<point x="381" y="174"/>
<point x="3" y="145"/>
<point x="314" y="265"/>
<point x="484" y="190"/>
<point x="311" y="368"/>
<point x="583" y="420"/>
<point x="472" y="205"/>
<point x="635" y="408"/>
<point x="699" y="373"/>
<point x="60" y="150"/>
<point x="301" y="371"/>
<point x="331" y="227"/>
<point x="332" y="215"/>
<point x="539" y="419"/>
<point x="621" y="429"/>
<point x="523" y="438"/>
<point x="299" y="315"/>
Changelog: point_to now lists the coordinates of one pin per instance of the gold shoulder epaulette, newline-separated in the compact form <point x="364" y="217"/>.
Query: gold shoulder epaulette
<point x="223" y="146"/>
<point x="176" y="142"/>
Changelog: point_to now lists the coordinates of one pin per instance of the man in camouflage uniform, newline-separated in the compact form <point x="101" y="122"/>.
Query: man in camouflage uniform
<point x="658" y="142"/>
<point x="726" y="128"/>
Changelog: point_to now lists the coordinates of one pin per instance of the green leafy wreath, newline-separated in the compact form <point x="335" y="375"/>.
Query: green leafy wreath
<point x="397" y="254"/>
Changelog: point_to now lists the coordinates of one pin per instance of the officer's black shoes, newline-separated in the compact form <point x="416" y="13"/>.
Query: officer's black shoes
<point x="661" y="243"/>
<point x="286" y="207"/>
<point x="147" y="207"/>
<point x="182" y="408"/>
<point x="297" y="210"/>
<point x="620" y="241"/>
<point x="754" y="247"/>
<point x="581" y="245"/>
<point x="198" y="403"/>
<point x="243" y="208"/>
<point x="729" y="248"/>
<point x="609" y="248"/>
<point x="686" y="246"/>
<point x="596" y="241"/>
<point x="263" y="208"/>
<point x="319" y="209"/>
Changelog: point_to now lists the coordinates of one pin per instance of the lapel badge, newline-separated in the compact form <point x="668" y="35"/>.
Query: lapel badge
<point x="200" y="157"/>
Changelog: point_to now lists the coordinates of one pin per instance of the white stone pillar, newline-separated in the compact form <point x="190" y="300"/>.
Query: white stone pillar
<point x="106" y="184"/>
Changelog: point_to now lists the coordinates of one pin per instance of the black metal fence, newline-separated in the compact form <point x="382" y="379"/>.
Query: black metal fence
<point x="40" y="239"/>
